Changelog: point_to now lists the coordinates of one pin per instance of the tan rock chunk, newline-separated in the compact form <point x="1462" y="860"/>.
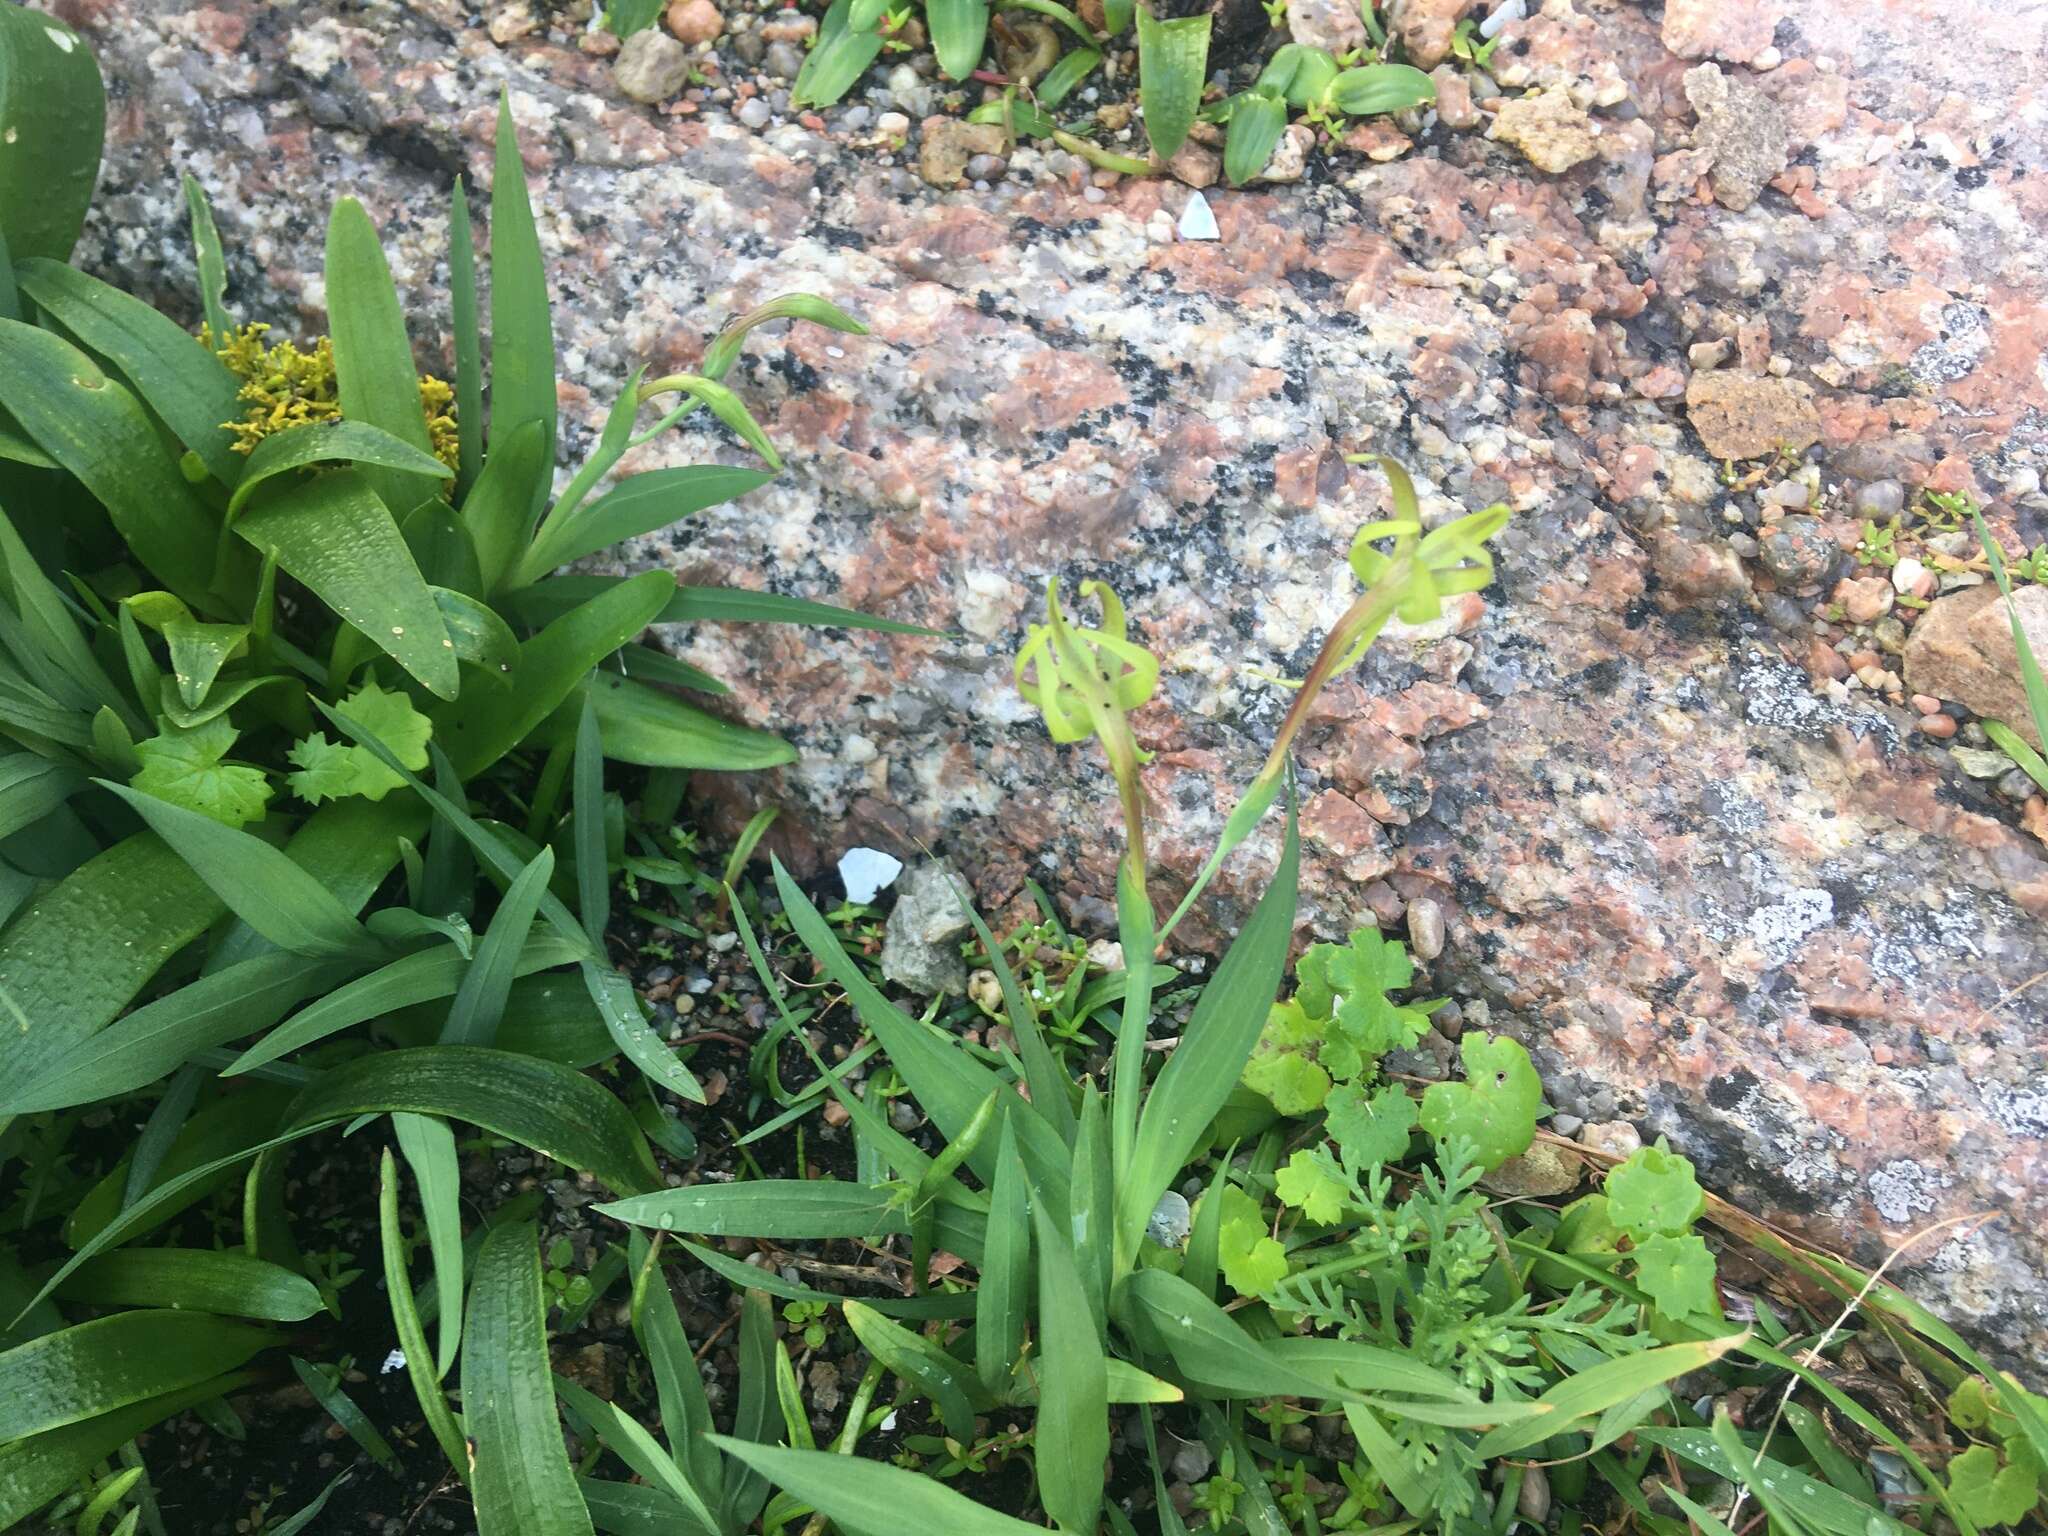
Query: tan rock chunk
<point x="1426" y="27"/>
<point x="1551" y="130"/>
<point x="1962" y="649"/>
<point x="949" y="143"/>
<point x="1544" y="1171"/>
<point x="1746" y="416"/>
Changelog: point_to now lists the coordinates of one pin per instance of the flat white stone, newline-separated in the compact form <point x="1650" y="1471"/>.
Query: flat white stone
<point x="867" y="871"/>
<point x="1198" y="219"/>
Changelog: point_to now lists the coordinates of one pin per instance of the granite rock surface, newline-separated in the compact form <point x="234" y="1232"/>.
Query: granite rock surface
<point x="1684" y="832"/>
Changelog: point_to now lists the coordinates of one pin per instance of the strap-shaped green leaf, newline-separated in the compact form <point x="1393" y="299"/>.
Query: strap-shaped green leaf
<point x="374" y="372"/>
<point x="429" y="1148"/>
<point x="412" y="1337"/>
<point x="864" y="1495"/>
<point x="227" y="1284"/>
<point x="464" y="322"/>
<point x="959" y="28"/>
<point x="81" y="951"/>
<point x="337" y="536"/>
<point x="558" y="1112"/>
<point x="485" y="724"/>
<point x="1173" y="66"/>
<point x="54" y="109"/>
<point x="319" y="442"/>
<point x="1073" y="1376"/>
<point x="519" y="1471"/>
<point x="110" y="1362"/>
<point x="180" y="380"/>
<point x="840" y="56"/>
<point x="207" y="257"/>
<point x="1214" y="1047"/>
<point x="1256" y="123"/>
<point x="638" y="504"/>
<point x="99" y="432"/>
<point x="522" y="328"/>
<point x="259" y="883"/>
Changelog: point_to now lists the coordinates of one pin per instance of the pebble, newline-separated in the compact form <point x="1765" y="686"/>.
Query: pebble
<point x="695" y="21"/>
<point x="783" y="59"/>
<point x="1880" y="499"/>
<point x="986" y="168"/>
<point x="1787" y="493"/>
<point x="903" y="1115"/>
<point x="754" y="112"/>
<point x="1981" y="762"/>
<point x="1709" y="354"/>
<point x="1426" y="928"/>
<point x="1867" y="599"/>
<point x="2016" y="785"/>
<point x="1782" y="613"/>
<point x="652" y="67"/>
<point x="892" y="125"/>
<point x="855" y="118"/>
<point x="1566" y="1125"/>
<point x="1906" y="575"/>
<point x="1613" y="1136"/>
<point x="1799" y="552"/>
<point x="1449" y="1020"/>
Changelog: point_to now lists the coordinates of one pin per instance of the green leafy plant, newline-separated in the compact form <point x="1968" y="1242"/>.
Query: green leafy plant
<point x="1312" y="82"/>
<point x="2003" y="736"/>
<point x="53" y="120"/>
<point x="1338" y="1023"/>
<point x="1066" y="1182"/>
<point x="270" y="641"/>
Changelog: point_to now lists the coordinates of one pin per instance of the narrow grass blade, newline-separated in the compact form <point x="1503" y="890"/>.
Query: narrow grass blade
<point x="487" y="982"/>
<point x="259" y="883"/>
<point x="340" y="1407"/>
<point x="1600" y="1388"/>
<point x="586" y="799"/>
<point x="630" y="1441"/>
<point x="1049" y="1085"/>
<point x="948" y="1084"/>
<point x="463" y="320"/>
<point x="429" y="1148"/>
<point x="872" y="1496"/>
<point x="1091" y="1207"/>
<point x="619" y="1005"/>
<point x="1817" y="1506"/>
<point x="678" y="1384"/>
<point x="638" y="504"/>
<point x="165" y="1121"/>
<point x="485" y="724"/>
<point x="374" y="372"/>
<point x="519" y="1471"/>
<point x="206" y="252"/>
<point x="1219" y="1037"/>
<point x="405" y="1317"/>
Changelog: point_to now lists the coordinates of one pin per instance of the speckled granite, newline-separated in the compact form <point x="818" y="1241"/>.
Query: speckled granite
<point x="1707" y="867"/>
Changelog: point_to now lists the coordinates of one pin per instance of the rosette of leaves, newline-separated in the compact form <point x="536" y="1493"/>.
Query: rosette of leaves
<point x="1310" y="81"/>
<point x="1643" y="1220"/>
<point x="1338" y="1023"/>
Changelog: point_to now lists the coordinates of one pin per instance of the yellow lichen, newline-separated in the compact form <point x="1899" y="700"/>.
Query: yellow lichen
<point x="284" y="386"/>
